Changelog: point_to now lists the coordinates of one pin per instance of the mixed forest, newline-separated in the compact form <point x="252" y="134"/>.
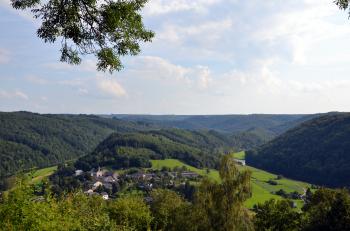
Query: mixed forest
<point x="316" y="151"/>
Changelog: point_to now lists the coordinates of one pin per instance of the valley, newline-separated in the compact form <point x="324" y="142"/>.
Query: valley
<point x="262" y="190"/>
<point x="140" y="163"/>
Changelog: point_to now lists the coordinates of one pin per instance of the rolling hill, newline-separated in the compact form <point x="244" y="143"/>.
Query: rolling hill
<point x="33" y="140"/>
<point x="317" y="151"/>
<point x="199" y="149"/>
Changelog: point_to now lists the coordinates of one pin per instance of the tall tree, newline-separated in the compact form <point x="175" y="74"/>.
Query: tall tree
<point x="221" y="204"/>
<point x="107" y="29"/>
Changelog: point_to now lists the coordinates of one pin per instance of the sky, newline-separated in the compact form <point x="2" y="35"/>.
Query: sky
<point x="208" y="57"/>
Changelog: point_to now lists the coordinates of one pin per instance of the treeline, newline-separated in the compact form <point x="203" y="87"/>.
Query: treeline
<point x="317" y="151"/>
<point x="216" y="206"/>
<point x="137" y="149"/>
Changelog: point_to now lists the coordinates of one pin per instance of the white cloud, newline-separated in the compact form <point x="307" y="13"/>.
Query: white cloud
<point x="110" y="86"/>
<point x="263" y="90"/>
<point x="158" y="7"/>
<point x="158" y="69"/>
<point x="16" y="94"/>
<point x="302" y="28"/>
<point x="202" y="34"/>
<point x="203" y="76"/>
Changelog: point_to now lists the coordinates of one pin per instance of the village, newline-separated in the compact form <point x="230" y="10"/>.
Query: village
<point x="108" y="184"/>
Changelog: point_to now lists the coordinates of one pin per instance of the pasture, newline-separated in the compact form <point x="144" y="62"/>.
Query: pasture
<point x="262" y="190"/>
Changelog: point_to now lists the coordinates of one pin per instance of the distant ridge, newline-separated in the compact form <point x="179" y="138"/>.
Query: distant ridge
<point x="270" y="123"/>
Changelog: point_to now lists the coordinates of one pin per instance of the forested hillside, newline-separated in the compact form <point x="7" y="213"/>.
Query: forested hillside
<point x="38" y="140"/>
<point x="29" y="139"/>
<point x="266" y="124"/>
<point x="198" y="149"/>
<point x="317" y="151"/>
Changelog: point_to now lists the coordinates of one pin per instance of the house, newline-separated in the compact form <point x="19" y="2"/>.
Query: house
<point x="99" y="172"/>
<point x="108" y="173"/>
<point x="105" y="196"/>
<point x="92" y="172"/>
<point x="78" y="172"/>
<point x="97" y="184"/>
<point x="240" y="162"/>
<point x="137" y="176"/>
<point x="115" y="175"/>
<point x="108" y="186"/>
<point x="109" y="179"/>
<point x="148" y="176"/>
<point x="89" y="192"/>
<point x="189" y="174"/>
<point x="172" y="174"/>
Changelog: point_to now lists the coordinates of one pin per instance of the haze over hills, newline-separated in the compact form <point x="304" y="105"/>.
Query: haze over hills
<point x="267" y="123"/>
<point x="316" y="151"/>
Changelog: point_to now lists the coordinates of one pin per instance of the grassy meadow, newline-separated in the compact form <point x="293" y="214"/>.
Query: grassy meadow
<point x="39" y="174"/>
<point x="239" y="155"/>
<point x="262" y="191"/>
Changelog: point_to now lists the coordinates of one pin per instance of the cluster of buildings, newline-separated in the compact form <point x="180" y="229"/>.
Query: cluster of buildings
<point x="100" y="178"/>
<point x="145" y="181"/>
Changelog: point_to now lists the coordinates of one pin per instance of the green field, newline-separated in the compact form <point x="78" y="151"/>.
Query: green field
<point x="171" y="163"/>
<point x="262" y="191"/>
<point x="239" y="155"/>
<point x="37" y="175"/>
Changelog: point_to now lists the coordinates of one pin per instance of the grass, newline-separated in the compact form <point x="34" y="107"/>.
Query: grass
<point x="40" y="174"/>
<point x="171" y="163"/>
<point x="239" y="155"/>
<point x="262" y="191"/>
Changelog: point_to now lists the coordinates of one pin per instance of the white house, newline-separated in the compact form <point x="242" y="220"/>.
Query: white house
<point x="97" y="184"/>
<point x="78" y="172"/>
<point x="89" y="192"/>
<point x="99" y="173"/>
<point x="240" y="162"/>
<point x="104" y="196"/>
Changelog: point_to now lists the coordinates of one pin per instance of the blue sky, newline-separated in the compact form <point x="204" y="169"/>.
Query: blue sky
<point x="208" y="57"/>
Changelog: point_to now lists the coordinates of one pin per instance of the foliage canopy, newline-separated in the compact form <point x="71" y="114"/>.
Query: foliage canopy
<point x="107" y="29"/>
